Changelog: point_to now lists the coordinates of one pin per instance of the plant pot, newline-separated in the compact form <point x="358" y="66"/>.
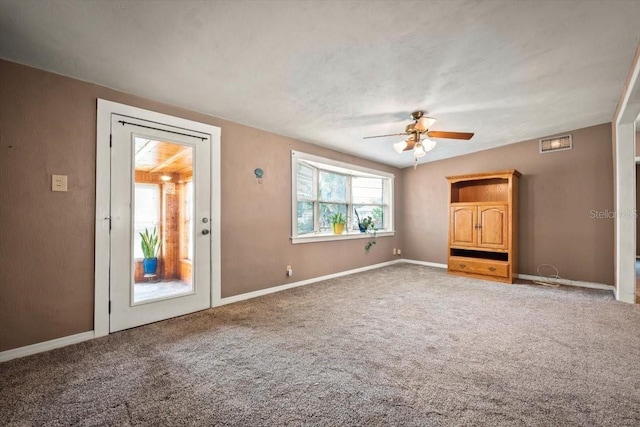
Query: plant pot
<point x="150" y="266"/>
<point x="362" y="229"/>
<point x="338" y="228"/>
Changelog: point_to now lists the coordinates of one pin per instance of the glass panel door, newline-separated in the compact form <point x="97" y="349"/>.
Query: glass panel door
<point x="160" y="241"/>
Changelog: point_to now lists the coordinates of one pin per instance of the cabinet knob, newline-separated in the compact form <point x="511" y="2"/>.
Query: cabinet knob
<point x="492" y="269"/>
<point x="462" y="265"/>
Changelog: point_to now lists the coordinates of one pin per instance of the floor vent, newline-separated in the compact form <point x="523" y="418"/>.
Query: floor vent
<point x="556" y="143"/>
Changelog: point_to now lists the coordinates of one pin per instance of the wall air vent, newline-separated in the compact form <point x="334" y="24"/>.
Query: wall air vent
<point x="556" y="143"/>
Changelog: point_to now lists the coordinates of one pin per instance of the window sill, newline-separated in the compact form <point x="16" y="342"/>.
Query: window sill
<point x="326" y="237"/>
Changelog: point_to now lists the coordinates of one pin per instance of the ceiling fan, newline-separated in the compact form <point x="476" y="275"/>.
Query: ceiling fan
<point x="418" y="131"/>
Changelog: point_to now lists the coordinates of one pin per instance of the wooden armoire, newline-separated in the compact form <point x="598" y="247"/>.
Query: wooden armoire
<point x="483" y="225"/>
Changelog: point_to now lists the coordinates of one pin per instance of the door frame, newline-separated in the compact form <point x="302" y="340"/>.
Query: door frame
<point x="103" y="201"/>
<point x="624" y="166"/>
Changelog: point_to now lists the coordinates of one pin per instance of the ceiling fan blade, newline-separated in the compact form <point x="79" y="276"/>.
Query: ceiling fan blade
<point x="410" y="144"/>
<point x="381" y="136"/>
<point x="449" y="135"/>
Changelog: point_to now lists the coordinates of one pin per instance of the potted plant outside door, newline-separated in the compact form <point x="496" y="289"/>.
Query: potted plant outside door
<point x="150" y="249"/>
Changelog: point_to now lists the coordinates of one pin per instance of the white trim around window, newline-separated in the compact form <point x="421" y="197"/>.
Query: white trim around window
<point x="348" y="173"/>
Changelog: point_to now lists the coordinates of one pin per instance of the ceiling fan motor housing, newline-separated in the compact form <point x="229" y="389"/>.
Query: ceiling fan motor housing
<point x="416" y="115"/>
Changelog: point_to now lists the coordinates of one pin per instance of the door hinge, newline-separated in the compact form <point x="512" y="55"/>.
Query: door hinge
<point x="109" y="307"/>
<point x="110" y="140"/>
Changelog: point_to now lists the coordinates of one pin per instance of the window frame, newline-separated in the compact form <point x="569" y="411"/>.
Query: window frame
<point x="349" y="170"/>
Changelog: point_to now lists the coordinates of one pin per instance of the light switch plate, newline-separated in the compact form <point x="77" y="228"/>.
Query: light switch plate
<point x="58" y="182"/>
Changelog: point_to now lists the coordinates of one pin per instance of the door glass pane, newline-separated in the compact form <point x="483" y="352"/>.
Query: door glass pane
<point x="163" y="213"/>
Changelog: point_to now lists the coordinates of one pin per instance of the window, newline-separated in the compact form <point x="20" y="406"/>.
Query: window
<point x="147" y="213"/>
<point x="323" y="187"/>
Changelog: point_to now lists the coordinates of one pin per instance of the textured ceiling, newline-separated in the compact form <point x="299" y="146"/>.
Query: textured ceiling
<point x="331" y="72"/>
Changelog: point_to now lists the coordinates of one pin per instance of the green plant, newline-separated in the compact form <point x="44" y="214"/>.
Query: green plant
<point x="370" y="243"/>
<point x="338" y="218"/>
<point x="367" y="225"/>
<point x="150" y="243"/>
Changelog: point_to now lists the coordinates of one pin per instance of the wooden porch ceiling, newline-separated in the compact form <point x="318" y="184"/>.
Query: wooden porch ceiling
<point x="162" y="157"/>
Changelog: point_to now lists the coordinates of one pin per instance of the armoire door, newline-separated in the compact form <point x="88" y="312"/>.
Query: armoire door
<point x="462" y="229"/>
<point x="492" y="231"/>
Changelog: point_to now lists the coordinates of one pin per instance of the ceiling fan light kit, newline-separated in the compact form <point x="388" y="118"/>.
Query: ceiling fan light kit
<point x="417" y="132"/>
<point x="400" y="146"/>
<point x="419" y="151"/>
<point x="428" y="144"/>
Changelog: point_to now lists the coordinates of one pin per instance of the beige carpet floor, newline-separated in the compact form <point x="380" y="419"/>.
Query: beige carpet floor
<point x="404" y="345"/>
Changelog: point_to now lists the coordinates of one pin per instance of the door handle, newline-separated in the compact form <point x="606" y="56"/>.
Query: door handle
<point x="205" y="231"/>
<point x="462" y="265"/>
<point x="492" y="269"/>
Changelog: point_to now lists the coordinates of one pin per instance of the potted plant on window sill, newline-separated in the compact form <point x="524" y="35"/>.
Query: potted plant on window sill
<point x="367" y="225"/>
<point x="150" y="248"/>
<point x="337" y="223"/>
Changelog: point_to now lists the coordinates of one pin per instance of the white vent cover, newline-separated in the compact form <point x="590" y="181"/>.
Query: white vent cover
<point x="556" y="143"/>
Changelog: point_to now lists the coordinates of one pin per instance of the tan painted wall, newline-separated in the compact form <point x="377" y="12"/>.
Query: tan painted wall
<point x="557" y="193"/>
<point x="48" y="126"/>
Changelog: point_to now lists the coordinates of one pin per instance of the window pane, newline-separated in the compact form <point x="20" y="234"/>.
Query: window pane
<point x="147" y="214"/>
<point x="332" y="187"/>
<point x="305" y="181"/>
<point x="326" y="211"/>
<point x="305" y="217"/>
<point x="366" y="190"/>
<point x="375" y="212"/>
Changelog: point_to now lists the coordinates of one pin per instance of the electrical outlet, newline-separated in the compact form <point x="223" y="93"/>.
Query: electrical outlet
<point x="395" y="252"/>
<point x="289" y="271"/>
<point x="58" y="182"/>
<point x="399" y="252"/>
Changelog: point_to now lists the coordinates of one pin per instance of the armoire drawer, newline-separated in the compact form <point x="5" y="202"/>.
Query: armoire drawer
<point x="477" y="266"/>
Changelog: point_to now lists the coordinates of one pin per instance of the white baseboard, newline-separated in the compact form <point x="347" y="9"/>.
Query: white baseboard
<point x="568" y="282"/>
<point x="425" y="263"/>
<point x="84" y="336"/>
<point x="45" y="346"/>
<point x="73" y="339"/>
<point x="590" y="285"/>
<point x="261" y="292"/>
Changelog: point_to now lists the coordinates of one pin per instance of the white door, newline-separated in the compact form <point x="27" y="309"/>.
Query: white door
<point x="160" y="260"/>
